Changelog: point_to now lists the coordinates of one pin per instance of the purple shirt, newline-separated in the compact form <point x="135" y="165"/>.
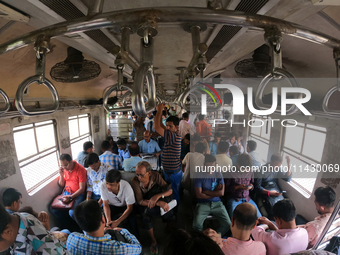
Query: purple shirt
<point x="237" y="179"/>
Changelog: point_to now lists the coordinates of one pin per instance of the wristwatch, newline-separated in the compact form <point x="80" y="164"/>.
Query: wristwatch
<point x="162" y="195"/>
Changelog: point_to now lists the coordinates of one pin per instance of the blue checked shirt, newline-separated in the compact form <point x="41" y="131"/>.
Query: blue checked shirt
<point x="95" y="179"/>
<point x="83" y="244"/>
<point x="113" y="160"/>
<point x="124" y="154"/>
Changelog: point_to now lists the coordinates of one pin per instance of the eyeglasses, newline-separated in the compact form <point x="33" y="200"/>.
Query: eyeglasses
<point x="66" y="165"/>
<point x="140" y="175"/>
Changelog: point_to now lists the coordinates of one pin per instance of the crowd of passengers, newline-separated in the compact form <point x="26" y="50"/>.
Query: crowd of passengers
<point x="102" y="202"/>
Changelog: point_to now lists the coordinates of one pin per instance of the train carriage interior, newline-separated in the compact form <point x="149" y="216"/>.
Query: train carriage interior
<point x="77" y="71"/>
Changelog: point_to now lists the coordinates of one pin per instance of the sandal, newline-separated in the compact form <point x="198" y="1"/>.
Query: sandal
<point x="154" y="249"/>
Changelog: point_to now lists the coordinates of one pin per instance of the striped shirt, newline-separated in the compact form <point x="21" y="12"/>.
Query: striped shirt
<point x="113" y="160"/>
<point x="83" y="244"/>
<point x="172" y="151"/>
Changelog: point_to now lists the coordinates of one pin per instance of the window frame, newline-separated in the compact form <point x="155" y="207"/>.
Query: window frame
<point x="302" y="157"/>
<point x="259" y="137"/>
<point x="51" y="177"/>
<point x="80" y="137"/>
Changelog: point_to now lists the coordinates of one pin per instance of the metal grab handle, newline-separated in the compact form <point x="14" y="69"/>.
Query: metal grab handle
<point x="326" y="100"/>
<point x="20" y="94"/>
<point x="195" y="108"/>
<point x="106" y="97"/>
<point x="128" y="93"/>
<point x="144" y="72"/>
<point x="8" y="105"/>
<point x="260" y="89"/>
<point x="336" y="54"/>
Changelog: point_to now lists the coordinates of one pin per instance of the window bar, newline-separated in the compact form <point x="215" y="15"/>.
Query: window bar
<point x="35" y="138"/>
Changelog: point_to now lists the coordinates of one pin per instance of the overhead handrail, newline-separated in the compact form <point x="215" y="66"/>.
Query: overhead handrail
<point x="41" y="48"/>
<point x="169" y="14"/>
<point x="8" y="105"/>
<point x="274" y="37"/>
<point x="336" y="88"/>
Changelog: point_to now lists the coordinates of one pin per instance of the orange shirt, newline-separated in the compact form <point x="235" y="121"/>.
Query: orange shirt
<point x="77" y="175"/>
<point x="203" y="129"/>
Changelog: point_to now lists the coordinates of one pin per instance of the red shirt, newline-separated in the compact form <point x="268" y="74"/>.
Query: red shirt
<point x="76" y="176"/>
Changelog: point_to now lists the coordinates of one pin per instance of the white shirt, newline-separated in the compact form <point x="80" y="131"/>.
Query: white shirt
<point x="256" y="158"/>
<point x="184" y="128"/>
<point x="223" y="160"/>
<point x="191" y="160"/>
<point x="124" y="197"/>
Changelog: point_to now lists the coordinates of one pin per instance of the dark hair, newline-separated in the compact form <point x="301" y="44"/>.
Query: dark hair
<point x="173" y="119"/>
<point x="251" y="145"/>
<point x="232" y="134"/>
<point x="113" y="176"/>
<point x="134" y="149"/>
<point x="209" y="158"/>
<point x="223" y="147"/>
<point x="185" y="115"/>
<point x="105" y="145"/>
<point x="5" y="219"/>
<point x="87" y="145"/>
<point x="217" y="134"/>
<point x="244" y="160"/>
<point x="88" y="215"/>
<point x="154" y="113"/>
<point x="91" y="159"/>
<point x="121" y="142"/>
<point x="194" y="242"/>
<point x="109" y="138"/>
<point x="196" y="138"/>
<point x="164" y="113"/>
<point x="234" y="149"/>
<point x="285" y="210"/>
<point x="200" y="147"/>
<point x="29" y="209"/>
<point x="10" y="195"/>
<point x="276" y="158"/>
<point x="66" y="157"/>
<point x="201" y="117"/>
<point x="244" y="219"/>
<point x="325" y="196"/>
<point x="187" y="136"/>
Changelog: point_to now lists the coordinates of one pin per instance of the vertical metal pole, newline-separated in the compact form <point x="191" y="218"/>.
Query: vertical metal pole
<point x="96" y="6"/>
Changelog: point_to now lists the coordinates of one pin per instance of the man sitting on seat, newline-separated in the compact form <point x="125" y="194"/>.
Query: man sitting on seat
<point x="122" y="150"/>
<point x="96" y="173"/>
<point x="87" y="148"/>
<point x="324" y="203"/>
<point x="151" y="192"/>
<point x="26" y="235"/>
<point x="148" y="145"/>
<point x="267" y="185"/>
<point x="234" y="153"/>
<point x="213" y="144"/>
<point x="73" y="180"/>
<point x="89" y="217"/>
<point x="11" y="198"/>
<point x="242" y="223"/>
<point x="108" y="158"/>
<point x="118" y="198"/>
<point x="134" y="159"/>
<point x="287" y="237"/>
<point x="251" y="147"/>
<point x="208" y="191"/>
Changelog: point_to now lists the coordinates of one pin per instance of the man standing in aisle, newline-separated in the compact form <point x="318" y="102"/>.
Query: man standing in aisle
<point x="172" y="150"/>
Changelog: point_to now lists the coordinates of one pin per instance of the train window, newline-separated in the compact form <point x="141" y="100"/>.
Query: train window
<point x="37" y="152"/>
<point x="304" y="144"/>
<point x="260" y="133"/>
<point x="79" y="128"/>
